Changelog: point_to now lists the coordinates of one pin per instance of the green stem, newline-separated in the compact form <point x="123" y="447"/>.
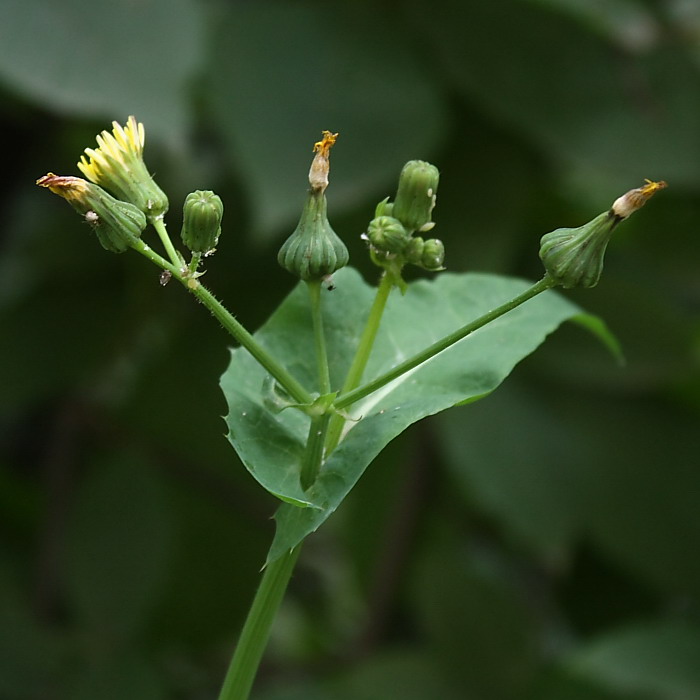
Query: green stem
<point x="418" y="359"/>
<point x="359" y="362"/>
<point x="159" y="226"/>
<point x="228" y="321"/>
<point x="256" y="631"/>
<point x="313" y="456"/>
<point x="324" y="378"/>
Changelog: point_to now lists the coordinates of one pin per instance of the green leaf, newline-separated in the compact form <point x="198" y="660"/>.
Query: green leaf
<point x="658" y="657"/>
<point x="271" y="445"/>
<point x="285" y="71"/>
<point x="106" y="59"/>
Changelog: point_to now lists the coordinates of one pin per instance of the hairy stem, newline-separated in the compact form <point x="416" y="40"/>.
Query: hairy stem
<point x="229" y="322"/>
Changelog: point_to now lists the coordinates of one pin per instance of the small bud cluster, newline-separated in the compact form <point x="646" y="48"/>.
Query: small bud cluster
<point x="391" y="233"/>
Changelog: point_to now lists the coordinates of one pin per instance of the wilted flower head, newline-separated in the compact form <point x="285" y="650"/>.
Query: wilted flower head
<point x="117" y="165"/>
<point x="115" y="223"/>
<point x="320" y="166"/>
<point x="573" y="257"/>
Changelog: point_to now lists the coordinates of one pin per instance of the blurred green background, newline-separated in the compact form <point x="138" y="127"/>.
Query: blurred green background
<point x="541" y="544"/>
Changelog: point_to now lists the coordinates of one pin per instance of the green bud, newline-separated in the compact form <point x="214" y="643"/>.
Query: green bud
<point x="414" y="250"/>
<point x="573" y="257"/>
<point x="416" y="194"/>
<point x="433" y="255"/>
<point x="201" y="225"/>
<point x="387" y="234"/>
<point x="115" y="222"/>
<point x="314" y="250"/>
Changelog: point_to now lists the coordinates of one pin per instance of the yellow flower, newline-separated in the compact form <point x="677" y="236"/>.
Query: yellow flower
<point x="117" y="165"/>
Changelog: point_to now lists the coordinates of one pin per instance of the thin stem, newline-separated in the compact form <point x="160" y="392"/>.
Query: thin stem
<point x="418" y="359"/>
<point x="359" y="362"/>
<point x="324" y="379"/>
<point x="194" y="263"/>
<point x="256" y="631"/>
<point x="159" y="226"/>
<point x="228" y="321"/>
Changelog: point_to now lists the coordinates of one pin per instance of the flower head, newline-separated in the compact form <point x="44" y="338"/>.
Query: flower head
<point x="117" y="165"/>
<point x="116" y="223"/>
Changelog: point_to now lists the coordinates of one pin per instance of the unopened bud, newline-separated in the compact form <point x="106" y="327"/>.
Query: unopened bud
<point x="201" y="225"/>
<point x="387" y="234"/>
<point x="414" y="250"/>
<point x="433" y="255"/>
<point x="115" y="223"/>
<point x="416" y="195"/>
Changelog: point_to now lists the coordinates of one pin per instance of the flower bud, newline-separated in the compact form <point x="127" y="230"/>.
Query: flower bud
<point x="414" y="250"/>
<point x="314" y="250"/>
<point x="433" y="255"/>
<point x="201" y="225"/>
<point x="416" y="195"/>
<point x="115" y="222"/>
<point x="573" y="257"/>
<point x="387" y="234"/>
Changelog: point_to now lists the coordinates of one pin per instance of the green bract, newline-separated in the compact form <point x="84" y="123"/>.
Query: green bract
<point x="574" y="256"/>
<point x="314" y="250"/>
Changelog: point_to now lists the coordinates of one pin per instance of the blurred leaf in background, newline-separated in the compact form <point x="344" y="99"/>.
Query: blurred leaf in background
<point x="541" y="543"/>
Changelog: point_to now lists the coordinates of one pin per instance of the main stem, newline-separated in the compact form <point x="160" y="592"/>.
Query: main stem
<point x="313" y="456"/>
<point x="359" y="362"/>
<point x="419" y="358"/>
<point x="256" y="631"/>
<point x="229" y="322"/>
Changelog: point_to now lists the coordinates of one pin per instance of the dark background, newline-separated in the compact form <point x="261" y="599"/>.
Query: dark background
<point x="541" y="544"/>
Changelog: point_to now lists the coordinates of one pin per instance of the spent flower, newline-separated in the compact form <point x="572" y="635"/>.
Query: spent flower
<point x="115" y="223"/>
<point x="573" y="257"/>
<point x="314" y="251"/>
